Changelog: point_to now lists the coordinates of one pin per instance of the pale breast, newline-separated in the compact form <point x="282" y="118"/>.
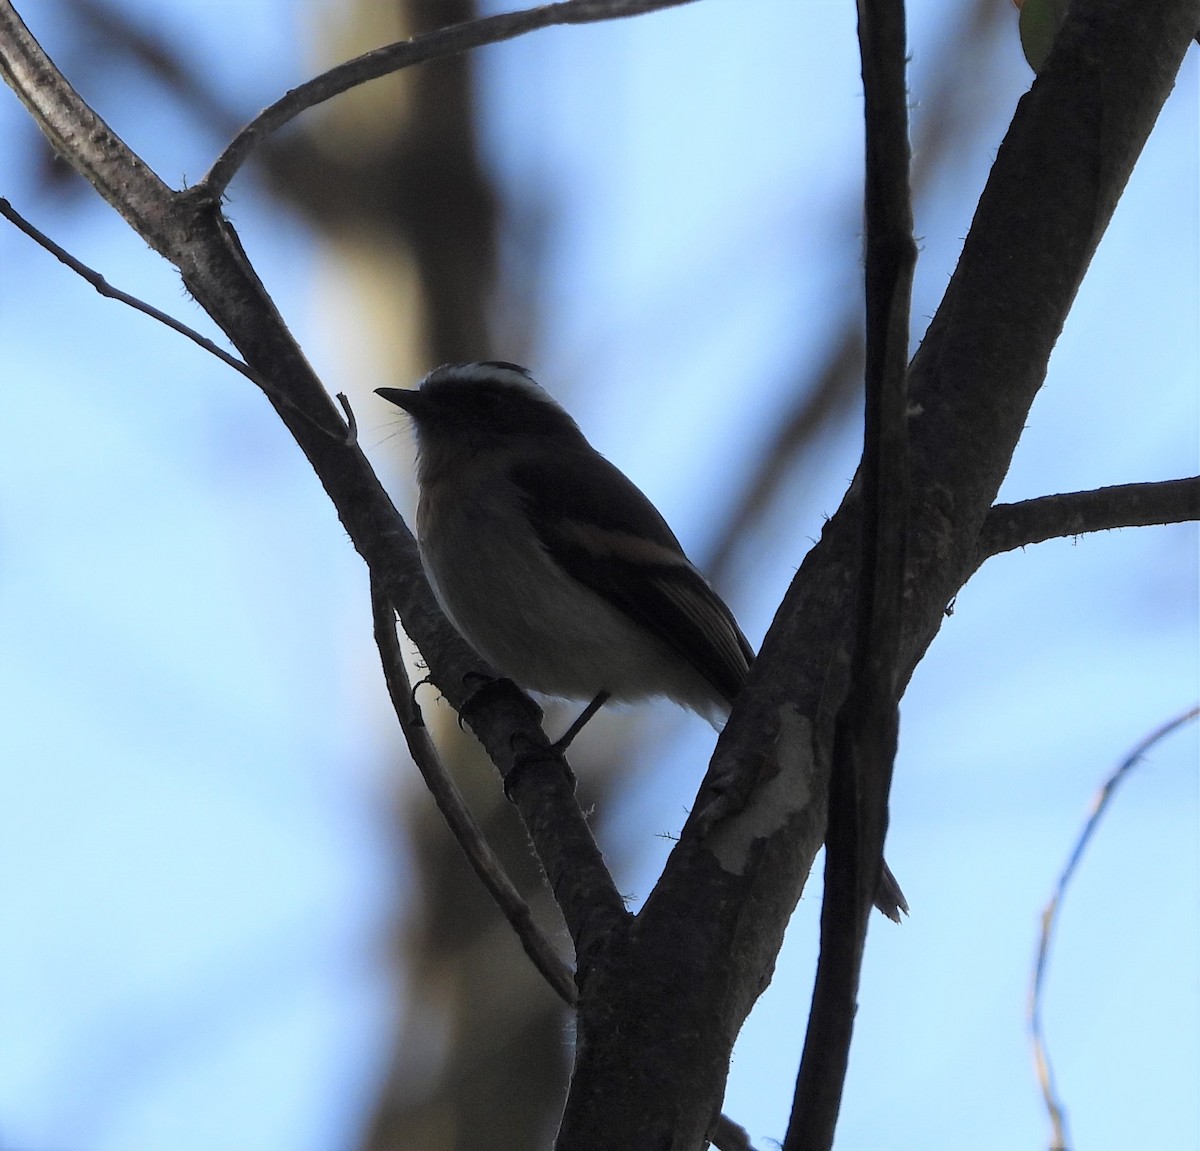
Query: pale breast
<point x="527" y="617"/>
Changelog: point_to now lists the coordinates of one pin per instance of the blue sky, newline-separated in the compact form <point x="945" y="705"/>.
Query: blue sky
<point x="196" y="759"/>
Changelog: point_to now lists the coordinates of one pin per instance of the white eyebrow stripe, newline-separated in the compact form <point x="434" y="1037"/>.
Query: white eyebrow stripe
<point x="503" y="377"/>
<point x="600" y="542"/>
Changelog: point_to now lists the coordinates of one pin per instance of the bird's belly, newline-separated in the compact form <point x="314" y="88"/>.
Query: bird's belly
<point x="548" y="632"/>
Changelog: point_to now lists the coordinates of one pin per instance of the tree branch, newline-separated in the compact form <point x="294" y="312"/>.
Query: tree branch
<point x="383" y="61"/>
<point x="1041" y="1054"/>
<point x="726" y="1135"/>
<point x="97" y="281"/>
<point x="450" y="802"/>
<point x="824" y="388"/>
<point x="867" y="725"/>
<point x="1010" y="526"/>
<point x="76" y="133"/>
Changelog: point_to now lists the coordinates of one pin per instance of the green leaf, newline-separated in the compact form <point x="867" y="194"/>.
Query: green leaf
<point x="1039" y="24"/>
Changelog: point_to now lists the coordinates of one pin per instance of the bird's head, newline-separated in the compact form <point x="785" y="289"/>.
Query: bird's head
<point x="480" y="404"/>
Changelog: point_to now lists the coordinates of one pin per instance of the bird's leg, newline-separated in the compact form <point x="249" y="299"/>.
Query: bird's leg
<point x="525" y="758"/>
<point x="564" y="741"/>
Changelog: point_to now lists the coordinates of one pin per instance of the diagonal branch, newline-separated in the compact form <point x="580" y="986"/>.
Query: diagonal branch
<point x="453" y="806"/>
<point x="106" y="289"/>
<point x="97" y="281"/>
<point x="1010" y="526"/>
<point x="79" y="135"/>
<point x="443" y="42"/>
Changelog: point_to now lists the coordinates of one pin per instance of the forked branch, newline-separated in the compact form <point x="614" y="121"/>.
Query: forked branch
<point x="442" y="42"/>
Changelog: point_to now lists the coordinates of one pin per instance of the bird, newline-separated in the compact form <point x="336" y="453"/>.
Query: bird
<point x="552" y="564"/>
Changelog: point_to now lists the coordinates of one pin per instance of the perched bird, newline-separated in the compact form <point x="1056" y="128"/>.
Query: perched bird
<point x="551" y="563"/>
<point x="555" y="568"/>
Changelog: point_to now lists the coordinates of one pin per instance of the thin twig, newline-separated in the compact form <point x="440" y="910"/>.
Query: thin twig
<point x="451" y="41"/>
<point x="453" y="807"/>
<point x="866" y="726"/>
<point x="1041" y="1052"/>
<point x="348" y="435"/>
<point x="1010" y="526"/>
<point x="106" y="289"/>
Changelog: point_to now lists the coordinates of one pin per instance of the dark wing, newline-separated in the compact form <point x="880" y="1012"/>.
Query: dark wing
<point x="606" y="534"/>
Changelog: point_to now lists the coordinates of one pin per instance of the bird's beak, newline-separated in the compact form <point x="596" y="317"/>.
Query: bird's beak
<point x="407" y="398"/>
